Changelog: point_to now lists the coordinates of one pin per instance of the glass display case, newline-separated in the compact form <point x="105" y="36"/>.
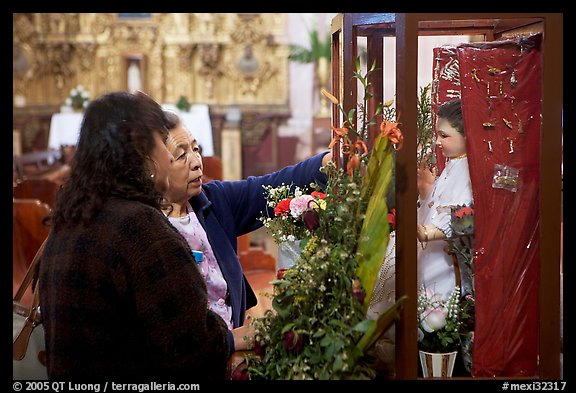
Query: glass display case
<point x="541" y="358"/>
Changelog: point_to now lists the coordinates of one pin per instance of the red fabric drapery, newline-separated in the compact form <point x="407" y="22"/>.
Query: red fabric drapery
<point x="501" y="103"/>
<point x="500" y="86"/>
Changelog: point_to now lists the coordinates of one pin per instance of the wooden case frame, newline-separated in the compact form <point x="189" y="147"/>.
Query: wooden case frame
<point x="406" y="27"/>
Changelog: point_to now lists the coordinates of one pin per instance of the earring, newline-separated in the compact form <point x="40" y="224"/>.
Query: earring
<point x="152" y="176"/>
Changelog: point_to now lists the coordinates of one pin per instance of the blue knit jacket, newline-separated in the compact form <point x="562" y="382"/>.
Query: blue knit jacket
<point x="228" y="209"/>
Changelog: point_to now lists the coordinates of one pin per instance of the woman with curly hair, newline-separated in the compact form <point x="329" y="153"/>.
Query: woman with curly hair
<point x="120" y="294"/>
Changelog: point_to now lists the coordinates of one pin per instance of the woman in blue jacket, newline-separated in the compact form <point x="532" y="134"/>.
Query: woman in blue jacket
<point x="211" y="216"/>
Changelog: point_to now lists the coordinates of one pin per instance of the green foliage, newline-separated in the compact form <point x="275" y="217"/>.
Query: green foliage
<point x="425" y="137"/>
<point x="318" y="48"/>
<point x="183" y="104"/>
<point x="318" y="327"/>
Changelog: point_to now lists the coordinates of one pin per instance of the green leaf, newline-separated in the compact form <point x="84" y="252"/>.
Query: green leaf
<point x="338" y="364"/>
<point x="365" y="325"/>
<point x="318" y="49"/>
<point x="374" y="235"/>
<point x="351" y="116"/>
<point x="383" y="323"/>
<point x="373" y="67"/>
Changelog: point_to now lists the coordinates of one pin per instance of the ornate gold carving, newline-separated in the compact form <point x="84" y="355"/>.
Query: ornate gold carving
<point x="248" y="29"/>
<point x="196" y="55"/>
<point x="85" y="52"/>
<point x="209" y="66"/>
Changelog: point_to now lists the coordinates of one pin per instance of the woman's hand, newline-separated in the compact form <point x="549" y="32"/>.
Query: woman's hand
<point x="327" y="158"/>
<point x="244" y="337"/>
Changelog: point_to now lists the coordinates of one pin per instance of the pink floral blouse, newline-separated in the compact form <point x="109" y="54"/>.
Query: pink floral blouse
<point x="190" y="228"/>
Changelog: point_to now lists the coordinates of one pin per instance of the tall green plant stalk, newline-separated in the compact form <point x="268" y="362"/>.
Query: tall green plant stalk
<point x="425" y="137"/>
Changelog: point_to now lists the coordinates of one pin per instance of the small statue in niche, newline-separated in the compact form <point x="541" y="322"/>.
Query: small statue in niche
<point x="134" y="77"/>
<point x="248" y="64"/>
<point x="21" y="62"/>
<point x="57" y="23"/>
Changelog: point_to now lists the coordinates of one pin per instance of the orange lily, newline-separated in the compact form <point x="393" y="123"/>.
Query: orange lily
<point x="353" y="163"/>
<point x="340" y="132"/>
<point x="391" y="130"/>
<point x="354" y="160"/>
<point x="361" y="145"/>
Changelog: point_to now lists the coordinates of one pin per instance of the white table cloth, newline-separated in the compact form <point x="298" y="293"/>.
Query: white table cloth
<point x="65" y="127"/>
<point x="197" y="121"/>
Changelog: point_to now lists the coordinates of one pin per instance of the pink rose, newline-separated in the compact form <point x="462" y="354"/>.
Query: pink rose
<point x="434" y="318"/>
<point x="299" y="205"/>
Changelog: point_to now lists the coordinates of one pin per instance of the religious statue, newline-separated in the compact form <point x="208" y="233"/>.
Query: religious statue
<point x="134" y="77"/>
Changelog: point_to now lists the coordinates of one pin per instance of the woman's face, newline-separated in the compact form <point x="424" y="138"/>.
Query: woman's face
<point x="451" y="142"/>
<point x="186" y="173"/>
<point x="162" y="163"/>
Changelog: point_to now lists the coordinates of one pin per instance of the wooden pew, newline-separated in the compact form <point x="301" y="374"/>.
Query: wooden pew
<point x="259" y="267"/>
<point x="28" y="233"/>
<point x="43" y="189"/>
<point x="38" y="163"/>
<point x="212" y="166"/>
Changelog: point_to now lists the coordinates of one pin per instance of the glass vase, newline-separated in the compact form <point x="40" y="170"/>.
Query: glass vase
<point x="288" y="252"/>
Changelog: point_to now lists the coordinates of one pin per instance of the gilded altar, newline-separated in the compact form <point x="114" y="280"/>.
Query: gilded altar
<point x="219" y="59"/>
<point x="212" y="58"/>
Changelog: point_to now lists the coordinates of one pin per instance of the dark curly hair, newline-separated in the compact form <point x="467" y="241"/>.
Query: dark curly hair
<point x="452" y="111"/>
<point x="115" y="143"/>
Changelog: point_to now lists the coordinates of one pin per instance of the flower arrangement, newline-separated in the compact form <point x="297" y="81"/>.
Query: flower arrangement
<point x="183" y="104"/>
<point x="318" y="328"/>
<point x="439" y="321"/>
<point x="461" y="246"/>
<point x="295" y="212"/>
<point x="461" y="243"/>
<point x="78" y="98"/>
<point x="462" y="220"/>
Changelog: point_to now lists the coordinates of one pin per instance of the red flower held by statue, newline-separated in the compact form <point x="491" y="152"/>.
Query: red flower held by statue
<point x="464" y="211"/>
<point x="462" y="219"/>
